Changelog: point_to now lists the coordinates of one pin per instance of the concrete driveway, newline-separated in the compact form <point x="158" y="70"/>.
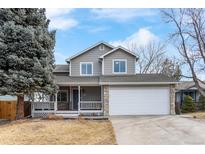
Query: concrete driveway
<point x="158" y="130"/>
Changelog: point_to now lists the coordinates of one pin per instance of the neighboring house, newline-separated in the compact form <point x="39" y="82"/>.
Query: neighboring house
<point x="187" y="88"/>
<point x="101" y="80"/>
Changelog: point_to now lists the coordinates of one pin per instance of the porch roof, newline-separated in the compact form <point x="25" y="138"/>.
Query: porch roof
<point x="68" y="80"/>
<point x="118" y="80"/>
<point x="138" y="78"/>
<point x="184" y="85"/>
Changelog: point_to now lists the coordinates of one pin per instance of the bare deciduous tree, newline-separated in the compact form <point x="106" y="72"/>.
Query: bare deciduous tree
<point x="189" y="38"/>
<point x="151" y="56"/>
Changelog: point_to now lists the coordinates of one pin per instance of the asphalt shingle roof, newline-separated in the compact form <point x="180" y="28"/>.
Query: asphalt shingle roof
<point x="137" y="78"/>
<point x="61" y="68"/>
<point x="60" y="79"/>
<point x="187" y="85"/>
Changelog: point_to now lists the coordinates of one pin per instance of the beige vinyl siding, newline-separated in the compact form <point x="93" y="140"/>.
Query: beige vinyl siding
<point x="119" y="54"/>
<point x="89" y="56"/>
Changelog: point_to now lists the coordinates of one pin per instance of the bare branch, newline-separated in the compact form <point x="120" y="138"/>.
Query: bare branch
<point x="190" y="37"/>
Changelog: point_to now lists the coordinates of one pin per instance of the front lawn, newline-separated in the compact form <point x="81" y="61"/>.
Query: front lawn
<point x="57" y="132"/>
<point x="198" y="115"/>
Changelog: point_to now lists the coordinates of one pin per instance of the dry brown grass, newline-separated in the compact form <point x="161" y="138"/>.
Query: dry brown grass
<point x="198" y="115"/>
<point x="57" y="132"/>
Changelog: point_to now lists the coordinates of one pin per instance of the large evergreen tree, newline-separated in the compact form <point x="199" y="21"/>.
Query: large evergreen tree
<point x="26" y="53"/>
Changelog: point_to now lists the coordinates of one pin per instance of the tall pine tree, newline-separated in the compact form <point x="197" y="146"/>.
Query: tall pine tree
<point x="26" y="53"/>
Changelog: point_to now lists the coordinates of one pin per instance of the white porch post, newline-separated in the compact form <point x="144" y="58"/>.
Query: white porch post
<point x="102" y="97"/>
<point x="78" y="98"/>
<point x="55" y="103"/>
<point x="32" y="108"/>
<point x="71" y="102"/>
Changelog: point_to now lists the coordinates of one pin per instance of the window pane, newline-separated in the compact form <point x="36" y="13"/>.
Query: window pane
<point x="122" y="66"/>
<point x="83" y="68"/>
<point x="89" y="68"/>
<point x="116" y="66"/>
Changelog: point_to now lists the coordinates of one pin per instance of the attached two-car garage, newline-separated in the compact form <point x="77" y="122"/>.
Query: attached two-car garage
<point x="133" y="100"/>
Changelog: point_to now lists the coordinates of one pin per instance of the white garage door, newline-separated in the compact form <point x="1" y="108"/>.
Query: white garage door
<point x="139" y="100"/>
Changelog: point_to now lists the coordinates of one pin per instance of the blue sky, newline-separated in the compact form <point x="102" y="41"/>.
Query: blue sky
<point x="77" y="29"/>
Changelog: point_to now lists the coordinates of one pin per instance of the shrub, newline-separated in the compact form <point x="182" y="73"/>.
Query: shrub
<point x="202" y="102"/>
<point x="188" y="105"/>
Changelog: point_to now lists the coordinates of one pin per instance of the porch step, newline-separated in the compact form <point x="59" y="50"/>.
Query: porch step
<point x="75" y="116"/>
<point x="95" y="117"/>
<point x="67" y="115"/>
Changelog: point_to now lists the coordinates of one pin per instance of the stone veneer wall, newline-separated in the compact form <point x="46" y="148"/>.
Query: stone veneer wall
<point x="172" y="99"/>
<point x="106" y="100"/>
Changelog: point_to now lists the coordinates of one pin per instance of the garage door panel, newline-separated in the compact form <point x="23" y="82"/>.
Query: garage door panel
<point x="138" y="100"/>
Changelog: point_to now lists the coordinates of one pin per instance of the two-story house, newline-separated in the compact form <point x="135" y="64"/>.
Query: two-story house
<point x="102" y="80"/>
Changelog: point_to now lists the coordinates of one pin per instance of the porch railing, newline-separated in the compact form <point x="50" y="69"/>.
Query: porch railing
<point x="90" y="105"/>
<point x="43" y="106"/>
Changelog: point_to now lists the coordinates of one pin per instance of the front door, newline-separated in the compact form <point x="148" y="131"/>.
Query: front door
<point x="75" y="99"/>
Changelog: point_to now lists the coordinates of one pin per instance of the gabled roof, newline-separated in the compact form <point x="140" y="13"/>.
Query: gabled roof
<point x="93" y="46"/>
<point x="119" y="47"/>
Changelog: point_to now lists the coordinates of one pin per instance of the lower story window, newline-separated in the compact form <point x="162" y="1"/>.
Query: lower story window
<point x="62" y="96"/>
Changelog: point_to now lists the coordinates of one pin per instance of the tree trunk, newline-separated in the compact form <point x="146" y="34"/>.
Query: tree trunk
<point x="20" y="107"/>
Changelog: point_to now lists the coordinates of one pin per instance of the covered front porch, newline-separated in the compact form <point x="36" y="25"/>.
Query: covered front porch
<point x="71" y="100"/>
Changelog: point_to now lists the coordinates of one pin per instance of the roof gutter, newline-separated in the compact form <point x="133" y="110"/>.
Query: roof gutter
<point x="136" y="83"/>
<point x="77" y="84"/>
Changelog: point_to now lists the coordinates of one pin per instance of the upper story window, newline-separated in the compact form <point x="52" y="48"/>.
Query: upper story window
<point x="120" y="66"/>
<point x="86" y="68"/>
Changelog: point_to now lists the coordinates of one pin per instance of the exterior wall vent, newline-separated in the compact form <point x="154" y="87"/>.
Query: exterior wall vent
<point x="101" y="47"/>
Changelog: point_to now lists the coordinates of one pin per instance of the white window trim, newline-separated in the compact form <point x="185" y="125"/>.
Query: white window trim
<point x="81" y="68"/>
<point x="70" y="69"/>
<point x="103" y="69"/>
<point x="113" y="61"/>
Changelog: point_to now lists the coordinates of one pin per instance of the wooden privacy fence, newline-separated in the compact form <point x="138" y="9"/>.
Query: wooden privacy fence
<point x="8" y="109"/>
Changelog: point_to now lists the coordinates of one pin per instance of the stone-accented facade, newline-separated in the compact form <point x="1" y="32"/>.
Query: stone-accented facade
<point x="106" y="100"/>
<point x="172" y="99"/>
<point x="96" y="84"/>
